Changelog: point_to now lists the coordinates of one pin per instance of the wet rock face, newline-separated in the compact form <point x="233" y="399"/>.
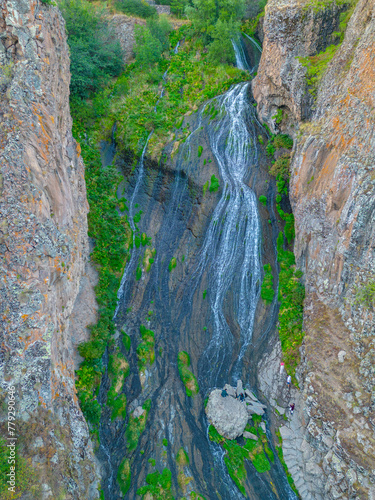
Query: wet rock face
<point x="227" y="414"/>
<point x="290" y="30"/>
<point x="333" y="199"/>
<point x="43" y="237"/>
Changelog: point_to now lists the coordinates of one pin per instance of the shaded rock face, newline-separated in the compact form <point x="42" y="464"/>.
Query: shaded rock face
<point x="43" y="247"/>
<point x="228" y="415"/>
<point x="333" y="199"/>
<point x="290" y="30"/>
<point x="125" y="32"/>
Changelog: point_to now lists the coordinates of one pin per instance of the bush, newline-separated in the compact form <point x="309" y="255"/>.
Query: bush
<point x="214" y="184"/>
<point x="283" y="141"/>
<point x="95" y="53"/>
<point x="136" y="8"/>
<point x="281" y="167"/>
<point x="124" y="476"/>
<point x="267" y="292"/>
<point x="263" y="200"/>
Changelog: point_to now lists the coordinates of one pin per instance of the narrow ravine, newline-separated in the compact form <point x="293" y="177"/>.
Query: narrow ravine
<point x="204" y="304"/>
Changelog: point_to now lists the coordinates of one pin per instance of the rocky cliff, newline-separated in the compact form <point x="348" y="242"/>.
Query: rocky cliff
<point x="46" y="287"/>
<point x="332" y="194"/>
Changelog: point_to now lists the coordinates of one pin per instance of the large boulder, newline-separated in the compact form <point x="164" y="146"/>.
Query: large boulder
<point x="228" y="415"/>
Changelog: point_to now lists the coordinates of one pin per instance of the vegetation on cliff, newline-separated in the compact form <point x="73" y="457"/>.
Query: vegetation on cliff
<point x="257" y="451"/>
<point x="188" y="378"/>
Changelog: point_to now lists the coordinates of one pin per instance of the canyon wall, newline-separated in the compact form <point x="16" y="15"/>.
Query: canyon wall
<point x="46" y="289"/>
<point x="333" y="198"/>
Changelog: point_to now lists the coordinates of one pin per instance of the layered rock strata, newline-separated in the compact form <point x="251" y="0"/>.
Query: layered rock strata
<point x="43" y="250"/>
<point x="332" y="193"/>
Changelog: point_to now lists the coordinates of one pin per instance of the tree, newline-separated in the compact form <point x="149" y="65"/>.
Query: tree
<point x="221" y="49"/>
<point x="160" y="29"/>
<point x="148" y="49"/>
<point x="95" y="53"/>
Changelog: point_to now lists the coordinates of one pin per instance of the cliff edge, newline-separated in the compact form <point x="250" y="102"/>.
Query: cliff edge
<point x="332" y="120"/>
<point x="45" y="279"/>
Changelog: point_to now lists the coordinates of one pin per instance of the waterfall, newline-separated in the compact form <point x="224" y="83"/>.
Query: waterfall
<point x="241" y="60"/>
<point x="232" y="241"/>
<point x="254" y="42"/>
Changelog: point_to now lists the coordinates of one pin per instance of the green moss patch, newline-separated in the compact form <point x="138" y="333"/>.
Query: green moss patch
<point x="263" y="200"/>
<point x="118" y="370"/>
<point x="188" y="379"/>
<point x="124" y="476"/>
<point x="214" y="186"/>
<point x="172" y="264"/>
<point x="267" y="292"/>
<point x="291" y="297"/>
<point x="146" y="349"/>
<point x="136" y="426"/>
<point x="158" y="486"/>
<point x="255" y="451"/>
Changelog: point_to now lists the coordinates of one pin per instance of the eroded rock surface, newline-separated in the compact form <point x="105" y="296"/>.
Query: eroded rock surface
<point x="333" y="199"/>
<point x="43" y="248"/>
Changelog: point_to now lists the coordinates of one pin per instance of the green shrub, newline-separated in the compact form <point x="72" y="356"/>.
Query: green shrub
<point x="365" y="295"/>
<point x="214" y="184"/>
<point x="158" y="486"/>
<point x="182" y="458"/>
<point x="291" y="297"/>
<point x="278" y="117"/>
<point x="146" y="349"/>
<point x="283" y="141"/>
<point x="172" y="264"/>
<point x="263" y="200"/>
<point x="136" y="8"/>
<point x="124" y="476"/>
<point x="95" y="53"/>
<point x="187" y="377"/>
<point x="267" y="292"/>
<point x="281" y="167"/>
<point x="136" y="426"/>
<point x="200" y="151"/>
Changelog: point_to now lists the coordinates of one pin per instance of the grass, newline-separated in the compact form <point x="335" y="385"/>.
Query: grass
<point x="200" y="151"/>
<point x="182" y="458"/>
<point x="113" y="240"/>
<point x="133" y="96"/>
<point x="148" y="259"/>
<point x="365" y="295"/>
<point x="126" y="341"/>
<point x="165" y="442"/>
<point x="255" y="451"/>
<point x="124" y="476"/>
<point x="118" y="370"/>
<point x="158" y="486"/>
<point x="291" y="297"/>
<point x="136" y="426"/>
<point x="188" y="379"/>
<point x="214" y="186"/>
<point x="267" y="292"/>
<point x="172" y="264"/>
<point x="146" y="348"/>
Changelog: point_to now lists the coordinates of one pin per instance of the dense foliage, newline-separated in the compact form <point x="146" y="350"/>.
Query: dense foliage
<point x="135" y="8"/>
<point x="95" y="54"/>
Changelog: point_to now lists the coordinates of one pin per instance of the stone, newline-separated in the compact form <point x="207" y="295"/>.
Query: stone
<point x="249" y="435"/>
<point x="138" y="412"/>
<point x="250" y="395"/>
<point x="227" y="415"/>
<point x="341" y="356"/>
<point x="230" y="390"/>
<point x="239" y="389"/>
<point x="255" y="408"/>
<point x="263" y="426"/>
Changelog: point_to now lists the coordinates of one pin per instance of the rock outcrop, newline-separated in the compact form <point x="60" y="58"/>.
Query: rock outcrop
<point x="124" y="27"/>
<point x="228" y="415"/>
<point x="333" y="199"/>
<point x="43" y="250"/>
<point x="291" y="29"/>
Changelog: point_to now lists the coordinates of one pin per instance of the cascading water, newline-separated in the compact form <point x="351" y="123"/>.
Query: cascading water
<point x="224" y="257"/>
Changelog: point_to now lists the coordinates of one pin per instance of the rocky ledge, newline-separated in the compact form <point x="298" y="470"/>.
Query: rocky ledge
<point x="229" y="410"/>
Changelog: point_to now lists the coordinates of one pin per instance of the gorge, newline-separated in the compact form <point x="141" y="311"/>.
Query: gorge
<point x="192" y="281"/>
